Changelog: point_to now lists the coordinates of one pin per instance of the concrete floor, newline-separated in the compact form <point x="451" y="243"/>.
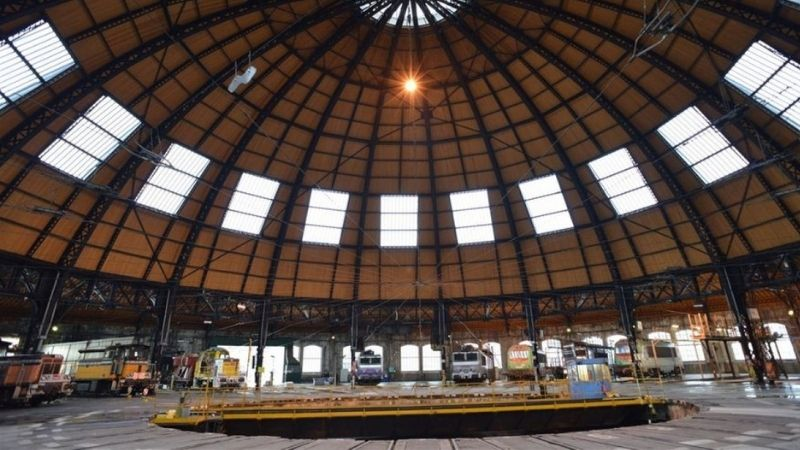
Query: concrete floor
<point x="734" y="415"/>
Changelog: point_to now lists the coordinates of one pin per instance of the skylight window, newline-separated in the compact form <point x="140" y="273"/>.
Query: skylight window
<point x="414" y="11"/>
<point x="771" y="79"/>
<point x="701" y="145"/>
<point x="399" y="220"/>
<point x="173" y="179"/>
<point x="91" y="138"/>
<point x="622" y="182"/>
<point x="472" y="217"/>
<point x="546" y="205"/>
<point x="250" y="204"/>
<point x="325" y="219"/>
<point x="29" y="59"/>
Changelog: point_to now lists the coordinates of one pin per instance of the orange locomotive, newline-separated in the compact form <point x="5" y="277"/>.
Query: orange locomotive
<point x="118" y="369"/>
<point x="32" y="379"/>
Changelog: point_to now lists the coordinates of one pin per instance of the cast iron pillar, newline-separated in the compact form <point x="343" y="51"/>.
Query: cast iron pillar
<point x="45" y="301"/>
<point x="356" y="341"/>
<point x="733" y="284"/>
<point x="165" y="307"/>
<point x="625" y="304"/>
<point x="263" y="331"/>
<point x="440" y="330"/>
<point x="531" y="308"/>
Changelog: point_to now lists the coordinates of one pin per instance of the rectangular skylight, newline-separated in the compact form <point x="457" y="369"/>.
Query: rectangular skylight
<point x="173" y="179"/>
<point x="250" y="204"/>
<point x="701" y="145"/>
<point x="771" y="79"/>
<point x="399" y="220"/>
<point x="472" y="217"/>
<point x="325" y="219"/>
<point x="546" y="205"/>
<point x="622" y="182"/>
<point x="29" y="58"/>
<point x="91" y="138"/>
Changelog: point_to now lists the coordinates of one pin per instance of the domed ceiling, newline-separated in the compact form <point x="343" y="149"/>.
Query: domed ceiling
<point x="506" y="92"/>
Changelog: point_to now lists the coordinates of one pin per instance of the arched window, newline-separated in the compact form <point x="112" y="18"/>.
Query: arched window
<point x="552" y="350"/>
<point x="296" y="352"/>
<point x="431" y="359"/>
<point x="736" y="351"/>
<point x="312" y="359"/>
<point x="736" y="346"/>
<point x="659" y="336"/>
<point x="409" y="358"/>
<point x="689" y="349"/>
<point x="497" y="355"/>
<point x="593" y="340"/>
<point x="346" y="358"/>
<point x="376" y="349"/>
<point x="612" y="340"/>
<point x="782" y="347"/>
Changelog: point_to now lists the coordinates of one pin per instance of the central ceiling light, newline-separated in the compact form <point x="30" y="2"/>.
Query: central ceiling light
<point x="410" y="14"/>
<point x="410" y="85"/>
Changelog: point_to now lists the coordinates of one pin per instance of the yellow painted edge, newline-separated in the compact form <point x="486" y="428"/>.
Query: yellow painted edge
<point x="466" y="409"/>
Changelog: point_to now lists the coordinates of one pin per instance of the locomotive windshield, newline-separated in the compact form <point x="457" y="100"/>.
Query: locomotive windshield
<point x="662" y="352"/>
<point x="370" y="360"/>
<point x="463" y="357"/>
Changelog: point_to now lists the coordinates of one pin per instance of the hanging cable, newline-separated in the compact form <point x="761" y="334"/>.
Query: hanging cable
<point x="660" y="26"/>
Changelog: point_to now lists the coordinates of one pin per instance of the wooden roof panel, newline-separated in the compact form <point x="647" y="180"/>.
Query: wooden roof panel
<point x="430" y="142"/>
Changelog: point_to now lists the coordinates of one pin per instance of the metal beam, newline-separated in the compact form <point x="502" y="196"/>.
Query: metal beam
<point x="324" y="14"/>
<point x="733" y="283"/>
<point x="164" y="308"/>
<point x="88" y="291"/>
<point x="374" y="138"/>
<point x="13" y="141"/>
<point x="11" y="10"/>
<point x="95" y="214"/>
<point x="470" y="35"/>
<point x="45" y="301"/>
<point x="625" y="305"/>
<point x="699" y="225"/>
<point x="790" y="167"/>
<point x="487" y="142"/>
<point x="340" y="33"/>
<point x="773" y="23"/>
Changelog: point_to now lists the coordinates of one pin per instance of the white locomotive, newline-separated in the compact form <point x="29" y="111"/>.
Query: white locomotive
<point x="472" y="364"/>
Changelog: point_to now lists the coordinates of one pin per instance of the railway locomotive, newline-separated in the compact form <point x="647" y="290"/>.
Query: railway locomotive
<point x="216" y="368"/>
<point x="521" y="364"/>
<point x="471" y="364"/>
<point x="32" y="379"/>
<point x="656" y="358"/>
<point x="118" y="369"/>
<point x="370" y="368"/>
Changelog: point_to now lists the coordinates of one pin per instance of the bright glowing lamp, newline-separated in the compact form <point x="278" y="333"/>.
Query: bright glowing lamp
<point x="410" y="85"/>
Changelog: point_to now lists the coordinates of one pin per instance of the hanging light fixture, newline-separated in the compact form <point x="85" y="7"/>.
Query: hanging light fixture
<point x="241" y="78"/>
<point x="410" y="85"/>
